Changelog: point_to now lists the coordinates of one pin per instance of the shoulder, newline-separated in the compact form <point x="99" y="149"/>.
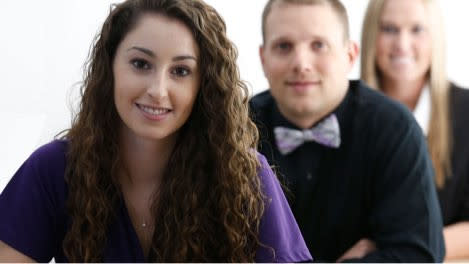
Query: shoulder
<point x="265" y="173"/>
<point x="261" y="104"/>
<point x="270" y="185"/>
<point x="52" y="151"/>
<point x="377" y="109"/>
<point x="261" y="100"/>
<point x="459" y="100"/>
<point x="44" y="169"/>
<point x="49" y="159"/>
<point x="459" y="91"/>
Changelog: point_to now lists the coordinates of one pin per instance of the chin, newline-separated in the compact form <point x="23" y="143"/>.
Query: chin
<point x="306" y="111"/>
<point x="152" y="135"/>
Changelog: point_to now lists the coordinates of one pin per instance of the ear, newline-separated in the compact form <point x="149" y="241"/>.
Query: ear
<point x="352" y="51"/>
<point x="262" y="56"/>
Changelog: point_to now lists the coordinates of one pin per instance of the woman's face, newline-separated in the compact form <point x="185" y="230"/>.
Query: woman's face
<point x="403" y="45"/>
<point x="156" y="77"/>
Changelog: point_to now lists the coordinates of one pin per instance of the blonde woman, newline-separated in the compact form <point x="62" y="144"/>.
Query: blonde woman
<point x="403" y="55"/>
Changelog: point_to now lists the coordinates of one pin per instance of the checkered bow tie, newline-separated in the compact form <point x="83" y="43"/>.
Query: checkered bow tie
<point x="326" y="132"/>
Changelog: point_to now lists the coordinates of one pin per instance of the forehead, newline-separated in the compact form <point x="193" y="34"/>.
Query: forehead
<point x="404" y="11"/>
<point x="156" y="31"/>
<point x="302" y="21"/>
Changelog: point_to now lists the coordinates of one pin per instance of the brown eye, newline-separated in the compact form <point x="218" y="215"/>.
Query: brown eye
<point x="140" y="64"/>
<point x="180" y="71"/>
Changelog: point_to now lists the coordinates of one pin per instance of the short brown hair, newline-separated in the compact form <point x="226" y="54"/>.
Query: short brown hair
<point x="336" y="5"/>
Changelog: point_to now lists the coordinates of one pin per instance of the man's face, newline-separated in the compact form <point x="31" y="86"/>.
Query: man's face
<point x="306" y="60"/>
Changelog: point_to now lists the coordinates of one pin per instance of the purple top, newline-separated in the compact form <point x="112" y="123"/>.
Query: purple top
<point x="33" y="215"/>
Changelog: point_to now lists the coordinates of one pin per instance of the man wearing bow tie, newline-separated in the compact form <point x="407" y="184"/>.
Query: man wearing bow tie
<point x="355" y="163"/>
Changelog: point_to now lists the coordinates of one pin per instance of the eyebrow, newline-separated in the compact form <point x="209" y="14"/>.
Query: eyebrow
<point x="152" y="54"/>
<point x="144" y="50"/>
<point x="185" y="57"/>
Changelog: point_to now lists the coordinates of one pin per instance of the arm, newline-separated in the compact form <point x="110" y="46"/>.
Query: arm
<point x="30" y="221"/>
<point x="362" y="248"/>
<point x="9" y="254"/>
<point x="457" y="241"/>
<point x="278" y="229"/>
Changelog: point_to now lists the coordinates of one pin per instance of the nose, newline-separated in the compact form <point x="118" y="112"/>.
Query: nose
<point x="403" y="42"/>
<point x="302" y="60"/>
<point x="158" y="86"/>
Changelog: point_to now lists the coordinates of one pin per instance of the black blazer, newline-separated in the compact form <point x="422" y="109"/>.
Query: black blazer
<point x="454" y="197"/>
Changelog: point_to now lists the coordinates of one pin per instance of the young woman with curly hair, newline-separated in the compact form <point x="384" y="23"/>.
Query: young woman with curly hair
<point x="160" y="162"/>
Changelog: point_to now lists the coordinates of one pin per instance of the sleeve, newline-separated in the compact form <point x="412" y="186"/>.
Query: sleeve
<point x="278" y="228"/>
<point x="405" y="221"/>
<point x="28" y="208"/>
<point x="465" y="202"/>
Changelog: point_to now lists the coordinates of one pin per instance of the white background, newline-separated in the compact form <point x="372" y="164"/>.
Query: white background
<point x="43" y="45"/>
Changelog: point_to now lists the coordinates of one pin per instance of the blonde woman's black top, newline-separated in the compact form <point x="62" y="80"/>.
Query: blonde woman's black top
<point x="454" y="197"/>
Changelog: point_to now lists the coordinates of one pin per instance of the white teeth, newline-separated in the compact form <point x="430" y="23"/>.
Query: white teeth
<point x="402" y="60"/>
<point x="153" y="111"/>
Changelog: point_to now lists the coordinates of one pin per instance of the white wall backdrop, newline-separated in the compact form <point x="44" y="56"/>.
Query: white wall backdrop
<point x="43" y="45"/>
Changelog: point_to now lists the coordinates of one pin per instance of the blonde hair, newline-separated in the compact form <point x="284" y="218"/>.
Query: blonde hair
<point x="439" y="135"/>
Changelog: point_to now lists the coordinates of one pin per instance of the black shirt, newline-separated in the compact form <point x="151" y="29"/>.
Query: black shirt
<point x="378" y="184"/>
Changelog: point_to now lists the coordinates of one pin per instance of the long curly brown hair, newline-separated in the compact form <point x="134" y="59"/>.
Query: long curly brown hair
<point x="210" y="202"/>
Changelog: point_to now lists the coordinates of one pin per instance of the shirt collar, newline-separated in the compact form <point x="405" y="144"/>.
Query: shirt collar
<point x="423" y="109"/>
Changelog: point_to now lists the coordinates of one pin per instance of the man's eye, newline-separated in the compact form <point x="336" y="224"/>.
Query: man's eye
<point x="317" y="45"/>
<point x="283" y="46"/>
<point x="417" y="29"/>
<point x="140" y="64"/>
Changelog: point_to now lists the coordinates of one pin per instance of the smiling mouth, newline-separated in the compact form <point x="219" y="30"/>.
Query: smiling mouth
<point x="401" y="60"/>
<point x="302" y="83"/>
<point x="302" y="86"/>
<point x="153" y="110"/>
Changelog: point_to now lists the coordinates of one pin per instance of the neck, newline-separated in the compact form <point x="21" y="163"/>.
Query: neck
<point x="144" y="160"/>
<point x="309" y="119"/>
<point x="406" y="92"/>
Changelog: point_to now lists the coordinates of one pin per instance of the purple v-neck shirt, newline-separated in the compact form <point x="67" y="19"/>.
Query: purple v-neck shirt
<point x="33" y="216"/>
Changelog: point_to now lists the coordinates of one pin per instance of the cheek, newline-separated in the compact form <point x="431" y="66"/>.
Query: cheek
<point x="383" y="50"/>
<point x="424" y="49"/>
<point x="121" y="92"/>
<point x="119" y="84"/>
<point x="383" y="47"/>
<point x="185" y="98"/>
<point x="331" y="66"/>
<point x="275" y="68"/>
<point x="128" y="87"/>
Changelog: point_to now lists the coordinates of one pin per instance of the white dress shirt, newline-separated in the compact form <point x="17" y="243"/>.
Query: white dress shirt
<point x="423" y="109"/>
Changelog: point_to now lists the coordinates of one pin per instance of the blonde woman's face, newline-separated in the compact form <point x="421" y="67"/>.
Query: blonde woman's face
<point x="403" y="48"/>
<point x="156" y="77"/>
